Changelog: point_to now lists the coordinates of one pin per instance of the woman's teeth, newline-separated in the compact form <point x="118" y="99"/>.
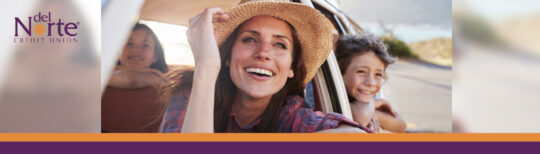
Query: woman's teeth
<point x="135" y="58"/>
<point x="259" y="71"/>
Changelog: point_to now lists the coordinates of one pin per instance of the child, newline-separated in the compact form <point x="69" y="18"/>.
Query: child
<point x="363" y="60"/>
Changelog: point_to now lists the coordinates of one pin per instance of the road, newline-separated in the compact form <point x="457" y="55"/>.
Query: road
<point x="422" y="93"/>
<point x="496" y="90"/>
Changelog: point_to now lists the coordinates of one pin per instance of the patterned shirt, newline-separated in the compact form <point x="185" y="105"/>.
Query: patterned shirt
<point x="294" y="117"/>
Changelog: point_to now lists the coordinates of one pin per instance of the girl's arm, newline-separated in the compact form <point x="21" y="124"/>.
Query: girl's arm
<point x="388" y="118"/>
<point x="391" y="123"/>
<point x="362" y="112"/>
<point x="203" y="41"/>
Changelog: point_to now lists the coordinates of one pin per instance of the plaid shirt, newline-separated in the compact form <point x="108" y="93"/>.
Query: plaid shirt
<point x="293" y="118"/>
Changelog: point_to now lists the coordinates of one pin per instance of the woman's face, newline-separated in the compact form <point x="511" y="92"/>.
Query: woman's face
<point x="139" y="50"/>
<point x="261" y="57"/>
<point x="364" y="76"/>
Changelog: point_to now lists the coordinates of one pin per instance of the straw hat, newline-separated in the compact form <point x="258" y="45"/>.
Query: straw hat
<point x="313" y="29"/>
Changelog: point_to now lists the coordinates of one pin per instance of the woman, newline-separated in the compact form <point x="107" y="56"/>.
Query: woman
<point x="142" y="62"/>
<point x="251" y="70"/>
<point x="363" y="60"/>
<point x="129" y="103"/>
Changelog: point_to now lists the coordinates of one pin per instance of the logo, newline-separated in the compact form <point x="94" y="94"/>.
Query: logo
<point x="41" y="28"/>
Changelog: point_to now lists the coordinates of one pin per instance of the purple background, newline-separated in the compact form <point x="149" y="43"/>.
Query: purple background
<point x="269" y="147"/>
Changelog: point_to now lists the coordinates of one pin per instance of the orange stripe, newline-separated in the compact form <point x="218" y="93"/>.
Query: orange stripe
<point x="307" y="137"/>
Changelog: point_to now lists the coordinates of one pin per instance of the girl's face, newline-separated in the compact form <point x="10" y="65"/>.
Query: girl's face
<point x="139" y="50"/>
<point x="261" y="57"/>
<point x="364" y="76"/>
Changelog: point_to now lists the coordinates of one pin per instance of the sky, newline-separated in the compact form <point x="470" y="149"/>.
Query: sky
<point x="411" y="20"/>
<point x="494" y="10"/>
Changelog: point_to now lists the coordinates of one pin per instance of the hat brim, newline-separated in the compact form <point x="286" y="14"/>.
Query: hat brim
<point x="313" y="29"/>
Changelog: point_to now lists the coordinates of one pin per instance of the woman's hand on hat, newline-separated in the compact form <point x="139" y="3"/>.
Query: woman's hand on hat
<point x="202" y="37"/>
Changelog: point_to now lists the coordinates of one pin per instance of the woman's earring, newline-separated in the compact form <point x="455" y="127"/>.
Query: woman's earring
<point x="291" y="74"/>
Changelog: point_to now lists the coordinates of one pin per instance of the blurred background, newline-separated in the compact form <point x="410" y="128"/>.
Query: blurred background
<point x="496" y="65"/>
<point x="50" y="86"/>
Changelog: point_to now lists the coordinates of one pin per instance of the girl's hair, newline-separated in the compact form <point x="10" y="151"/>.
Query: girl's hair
<point x="225" y="88"/>
<point x="349" y="46"/>
<point x="160" y="63"/>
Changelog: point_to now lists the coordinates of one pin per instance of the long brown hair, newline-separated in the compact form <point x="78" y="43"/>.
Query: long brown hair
<point x="225" y="88"/>
<point x="160" y="63"/>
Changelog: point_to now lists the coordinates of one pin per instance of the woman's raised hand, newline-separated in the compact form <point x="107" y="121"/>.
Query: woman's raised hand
<point x="202" y="37"/>
<point x="203" y="40"/>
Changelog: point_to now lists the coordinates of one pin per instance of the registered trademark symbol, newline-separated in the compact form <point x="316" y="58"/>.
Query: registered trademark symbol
<point x="78" y="23"/>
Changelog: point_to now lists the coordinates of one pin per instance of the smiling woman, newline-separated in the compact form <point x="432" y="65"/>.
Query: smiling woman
<point x="262" y="56"/>
<point x="252" y="77"/>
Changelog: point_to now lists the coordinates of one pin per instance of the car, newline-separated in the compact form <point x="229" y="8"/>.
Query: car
<point x="328" y="91"/>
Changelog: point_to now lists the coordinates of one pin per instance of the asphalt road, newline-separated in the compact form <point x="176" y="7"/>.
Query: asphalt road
<point x="496" y="90"/>
<point x="422" y="94"/>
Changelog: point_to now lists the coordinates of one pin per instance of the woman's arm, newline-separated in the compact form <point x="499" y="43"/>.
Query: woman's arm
<point x="203" y="41"/>
<point x="136" y="78"/>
